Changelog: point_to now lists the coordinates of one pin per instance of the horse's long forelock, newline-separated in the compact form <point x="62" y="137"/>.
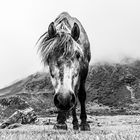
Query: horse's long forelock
<point x="61" y="46"/>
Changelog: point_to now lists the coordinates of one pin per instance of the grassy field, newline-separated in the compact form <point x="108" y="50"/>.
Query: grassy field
<point x="121" y="127"/>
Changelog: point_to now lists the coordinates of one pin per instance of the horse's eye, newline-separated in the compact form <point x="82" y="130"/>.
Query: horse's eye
<point x="52" y="75"/>
<point x="77" y="55"/>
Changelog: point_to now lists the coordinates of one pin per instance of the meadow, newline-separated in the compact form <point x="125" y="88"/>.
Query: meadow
<point x="120" y="127"/>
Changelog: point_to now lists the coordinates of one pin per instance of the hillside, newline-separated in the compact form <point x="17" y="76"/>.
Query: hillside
<point x="106" y="87"/>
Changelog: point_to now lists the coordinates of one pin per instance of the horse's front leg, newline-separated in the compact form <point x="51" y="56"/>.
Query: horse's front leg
<point x="75" y="120"/>
<point x="84" y="126"/>
<point x="61" y="121"/>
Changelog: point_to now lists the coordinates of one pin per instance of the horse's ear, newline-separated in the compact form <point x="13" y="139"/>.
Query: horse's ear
<point x="51" y="30"/>
<point x="75" y="32"/>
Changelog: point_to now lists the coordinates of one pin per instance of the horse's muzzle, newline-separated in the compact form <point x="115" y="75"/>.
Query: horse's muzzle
<point x="64" y="102"/>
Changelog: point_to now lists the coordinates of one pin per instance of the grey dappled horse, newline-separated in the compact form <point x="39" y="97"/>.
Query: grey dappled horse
<point x="65" y="48"/>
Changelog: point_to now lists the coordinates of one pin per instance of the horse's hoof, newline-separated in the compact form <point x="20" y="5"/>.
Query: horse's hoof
<point x="84" y="127"/>
<point x="76" y="127"/>
<point x="60" y="126"/>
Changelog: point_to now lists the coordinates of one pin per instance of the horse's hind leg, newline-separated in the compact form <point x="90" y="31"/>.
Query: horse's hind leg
<point x="75" y="120"/>
<point x="83" y="116"/>
<point x="61" y="118"/>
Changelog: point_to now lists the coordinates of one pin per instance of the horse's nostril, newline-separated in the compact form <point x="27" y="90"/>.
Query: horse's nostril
<point x="64" y="103"/>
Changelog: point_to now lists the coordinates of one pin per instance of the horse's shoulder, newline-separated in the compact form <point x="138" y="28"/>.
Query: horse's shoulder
<point x="64" y="14"/>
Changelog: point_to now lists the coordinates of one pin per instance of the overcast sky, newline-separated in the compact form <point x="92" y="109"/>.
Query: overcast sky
<point x="113" y="27"/>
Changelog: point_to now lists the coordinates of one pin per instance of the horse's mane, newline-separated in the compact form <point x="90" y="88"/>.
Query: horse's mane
<point x="62" y="46"/>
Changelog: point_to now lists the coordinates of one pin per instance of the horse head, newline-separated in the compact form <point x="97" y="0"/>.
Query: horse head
<point x="63" y="55"/>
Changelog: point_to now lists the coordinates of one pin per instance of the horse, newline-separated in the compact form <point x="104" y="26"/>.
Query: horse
<point x="65" y="49"/>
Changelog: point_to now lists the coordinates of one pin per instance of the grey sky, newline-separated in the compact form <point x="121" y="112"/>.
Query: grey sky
<point x="113" y="27"/>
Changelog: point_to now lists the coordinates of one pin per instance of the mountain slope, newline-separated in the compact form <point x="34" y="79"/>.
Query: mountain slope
<point x="106" y="84"/>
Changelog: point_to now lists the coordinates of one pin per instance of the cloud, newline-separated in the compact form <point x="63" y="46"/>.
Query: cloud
<point x="112" y="26"/>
